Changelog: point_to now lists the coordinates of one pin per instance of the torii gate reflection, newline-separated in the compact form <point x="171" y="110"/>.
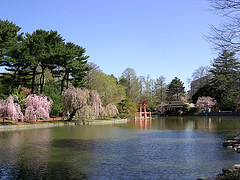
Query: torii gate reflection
<point x="143" y="117"/>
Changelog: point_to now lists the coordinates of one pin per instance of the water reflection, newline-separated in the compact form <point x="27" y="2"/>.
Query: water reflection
<point x="210" y="124"/>
<point x="162" y="148"/>
<point x="143" y="123"/>
<point x="24" y="151"/>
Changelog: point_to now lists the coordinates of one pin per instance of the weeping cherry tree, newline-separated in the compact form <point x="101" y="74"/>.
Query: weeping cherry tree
<point x="10" y="109"/>
<point x="37" y="107"/>
<point x="82" y="102"/>
<point x="74" y="99"/>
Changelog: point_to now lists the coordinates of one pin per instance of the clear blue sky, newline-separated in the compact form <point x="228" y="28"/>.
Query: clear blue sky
<point x="155" y="37"/>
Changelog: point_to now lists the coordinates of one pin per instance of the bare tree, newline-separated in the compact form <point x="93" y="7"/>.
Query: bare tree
<point x="200" y="77"/>
<point x="200" y="72"/>
<point x="227" y="35"/>
<point x="225" y="7"/>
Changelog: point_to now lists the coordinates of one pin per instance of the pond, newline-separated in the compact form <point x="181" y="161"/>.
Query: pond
<point x="164" y="148"/>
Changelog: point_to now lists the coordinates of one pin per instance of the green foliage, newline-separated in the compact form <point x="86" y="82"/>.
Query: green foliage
<point x="52" y="90"/>
<point x="160" y="90"/>
<point x="8" y="37"/>
<point x="207" y="90"/>
<point x="73" y="62"/>
<point x="151" y="107"/>
<point x="226" y="73"/>
<point x="106" y="85"/>
<point x="39" y="52"/>
<point x="7" y="86"/>
<point x="188" y="108"/>
<point x="27" y="58"/>
<point x="126" y="108"/>
<point x="131" y="82"/>
<point x="224" y="84"/>
<point x="21" y="96"/>
<point x="7" y="123"/>
<point x="175" y="90"/>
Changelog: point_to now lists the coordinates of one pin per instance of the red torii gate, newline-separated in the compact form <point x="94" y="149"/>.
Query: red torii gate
<point x="143" y="104"/>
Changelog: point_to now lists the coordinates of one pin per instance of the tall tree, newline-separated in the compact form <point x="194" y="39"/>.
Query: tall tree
<point x="175" y="89"/>
<point x="130" y="81"/>
<point x="160" y="89"/>
<point x="106" y="85"/>
<point x="226" y="71"/>
<point x="9" y="36"/>
<point x="51" y="39"/>
<point x="40" y="46"/>
<point x="35" y="49"/>
<point x="10" y="52"/>
<point x="149" y="88"/>
<point x="71" y="62"/>
<point x="16" y="65"/>
<point x="200" y="72"/>
<point x="146" y="89"/>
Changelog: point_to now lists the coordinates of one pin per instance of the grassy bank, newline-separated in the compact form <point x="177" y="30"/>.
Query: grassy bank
<point x="12" y="125"/>
<point x="50" y="120"/>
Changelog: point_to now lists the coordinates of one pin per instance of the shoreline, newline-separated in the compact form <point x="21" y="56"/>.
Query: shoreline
<point x="59" y="124"/>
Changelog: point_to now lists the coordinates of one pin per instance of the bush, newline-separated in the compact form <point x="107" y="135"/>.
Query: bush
<point x="126" y="108"/>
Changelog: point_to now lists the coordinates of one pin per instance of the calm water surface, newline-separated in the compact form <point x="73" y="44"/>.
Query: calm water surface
<point x="166" y="148"/>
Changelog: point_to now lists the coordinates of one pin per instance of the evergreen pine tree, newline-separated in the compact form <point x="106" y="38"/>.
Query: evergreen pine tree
<point x="175" y="90"/>
<point x="225" y="69"/>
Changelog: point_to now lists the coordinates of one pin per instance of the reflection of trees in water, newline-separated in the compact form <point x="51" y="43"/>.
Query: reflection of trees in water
<point x="55" y="170"/>
<point x="27" y="151"/>
<point x="32" y="154"/>
<point x="214" y="123"/>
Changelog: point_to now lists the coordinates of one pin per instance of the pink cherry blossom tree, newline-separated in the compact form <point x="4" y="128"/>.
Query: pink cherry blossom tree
<point x="75" y="99"/>
<point x="10" y="109"/>
<point x="85" y="103"/>
<point x="93" y="108"/>
<point x="203" y="102"/>
<point x="37" y="107"/>
<point x="3" y="112"/>
<point x="109" y="110"/>
<point x="95" y="103"/>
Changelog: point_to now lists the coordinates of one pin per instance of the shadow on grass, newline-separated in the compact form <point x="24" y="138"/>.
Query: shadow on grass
<point x="6" y="123"/>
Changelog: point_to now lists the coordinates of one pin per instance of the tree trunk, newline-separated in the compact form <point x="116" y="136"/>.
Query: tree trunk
<point x="18" y="79"/>
<point x="62" y="83"/>
<point x="33" y="79"/>
<point x="72" y="114"/>
<point x="67" y="79"/>
<point x="42" y="80"/>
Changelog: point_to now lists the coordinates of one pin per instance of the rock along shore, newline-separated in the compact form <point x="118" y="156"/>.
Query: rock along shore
<point x="56" y="124"/>
<point x="232" y="172"/>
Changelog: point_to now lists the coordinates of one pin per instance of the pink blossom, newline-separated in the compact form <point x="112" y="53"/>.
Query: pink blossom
<point x="203" y="102"/>
<point x="86" y="103"/>
<point x="37" y="107"/>
<point x="10" y="109"/>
